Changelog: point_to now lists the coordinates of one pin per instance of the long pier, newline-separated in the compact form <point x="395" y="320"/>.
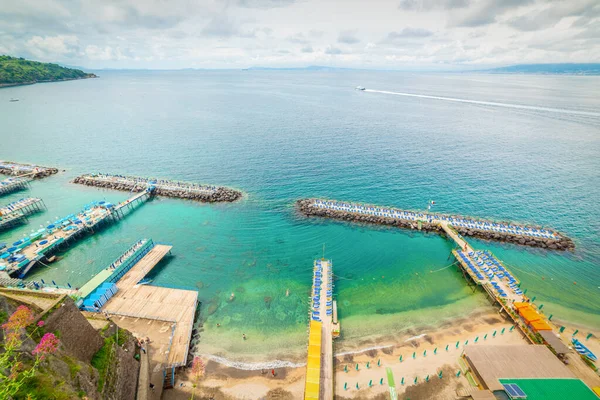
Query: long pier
<point x="433" y="222"/>
<point x="16" y="212"/>
<point x="26" y="253"/>
<point x="323" y="329"/>
<point x="12" y="185"/>
<point x="30" y="170"/>
<point x="182" y="190"/>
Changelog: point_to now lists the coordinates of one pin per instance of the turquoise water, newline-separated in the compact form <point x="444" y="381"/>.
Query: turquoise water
<point x="280" y="136"/>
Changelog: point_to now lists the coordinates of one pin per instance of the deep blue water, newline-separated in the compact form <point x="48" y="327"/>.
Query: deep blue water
<point x="284" y="135"/>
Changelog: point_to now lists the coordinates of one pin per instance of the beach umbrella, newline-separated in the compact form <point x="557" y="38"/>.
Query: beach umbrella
<point x="550" y="317"/>
<point x="447" y="347"/>
<point x="345" y="368"/>
<point x="400" y="358"/>
<point x="485" y="336"/>
<point x="494" y="334"/>
<point x="368" y="364"/>
<point x="440" y="374"/>
<point x="435" y="351"/>
<point x="402" y="381"/>
<point x="511" y="328"/>
<point x="345" y="386"/>
<point x="540" y="307"/>
<point x="476" y="339"/>
<point x="576" y="332"/>
<point x="427" y="378"/>
<point x="562" y="329"/>
<point x="415" y="381"/>
<point x="357" y="385"/>
<point x="381" y="381"/>
<point x="357" y="366"/>
<point x="467" y="342"/>
<point x="458" y="374"/>
<point x="370" y="382"/>
<point x="414" y="354"/>
<point x="425" y="353"/>
<point x="457" y="343"/>
<point x="589" y="335"/>
<point x="502" y="331"/>
<point x="379" y="362"/>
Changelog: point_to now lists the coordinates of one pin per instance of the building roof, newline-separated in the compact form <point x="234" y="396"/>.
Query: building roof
<point x="555" y="342"/>
<point x="491" y="363"/>
<point x="553" y="389"/>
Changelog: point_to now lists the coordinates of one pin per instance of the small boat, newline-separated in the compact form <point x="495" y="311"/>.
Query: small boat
<point x="51" y="259"/>
<point x="360" y="88"/>
<point x="13" y="100"/>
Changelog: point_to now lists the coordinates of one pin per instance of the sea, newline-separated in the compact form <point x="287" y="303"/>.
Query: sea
<point x="523" y="148"/>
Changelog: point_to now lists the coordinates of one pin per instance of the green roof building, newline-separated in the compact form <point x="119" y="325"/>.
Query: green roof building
<point x="552" y="389"/>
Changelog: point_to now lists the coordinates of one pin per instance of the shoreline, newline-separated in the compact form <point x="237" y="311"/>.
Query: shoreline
<point x="6" y="85"/>
<point x="227" y="382"/>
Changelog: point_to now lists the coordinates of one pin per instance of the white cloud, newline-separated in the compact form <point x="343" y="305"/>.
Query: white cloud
<point x="352" y="33"/>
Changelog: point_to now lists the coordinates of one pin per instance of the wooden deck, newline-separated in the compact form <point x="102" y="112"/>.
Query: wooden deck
<point x="156" y="303"/>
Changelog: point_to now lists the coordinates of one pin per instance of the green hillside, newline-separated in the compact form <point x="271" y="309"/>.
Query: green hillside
<point x="18" y="70"/>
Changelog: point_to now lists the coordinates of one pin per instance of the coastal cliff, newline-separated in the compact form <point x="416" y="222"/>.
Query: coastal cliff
<point x="561" y="243"/>
<point x="18" y="71"/>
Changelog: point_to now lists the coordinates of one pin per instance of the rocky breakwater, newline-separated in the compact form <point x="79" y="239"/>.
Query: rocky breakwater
<point x="206" y="194"/>
<point x="30" y="170"/>
<point x="558" y="242"/>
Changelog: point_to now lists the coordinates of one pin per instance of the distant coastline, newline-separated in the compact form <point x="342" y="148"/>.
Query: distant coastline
<point x="19" y="71"/>
<point x="6" y="85"/>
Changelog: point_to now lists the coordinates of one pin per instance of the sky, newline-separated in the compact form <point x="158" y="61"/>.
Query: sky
<point x="378" y="34"/>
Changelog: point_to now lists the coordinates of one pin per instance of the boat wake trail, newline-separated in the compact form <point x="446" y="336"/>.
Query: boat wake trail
<point x="491" y="103"/>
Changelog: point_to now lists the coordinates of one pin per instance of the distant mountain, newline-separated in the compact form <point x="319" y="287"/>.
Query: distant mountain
<point x="309" y="68"/>
<point x="18" y="71"/>
<point x="567" y="69"/>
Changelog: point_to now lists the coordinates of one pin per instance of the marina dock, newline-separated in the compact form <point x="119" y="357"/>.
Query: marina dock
<point x="121" y="291"/>
<point x="16" y="212"/>
<point x="10" y="185"/>
<point x="162" y="187"/>
<point x="30" y="170"/>
<point x="24" y="254"/>
<point x="323" y="329"/>
<point x="433" y="222"/>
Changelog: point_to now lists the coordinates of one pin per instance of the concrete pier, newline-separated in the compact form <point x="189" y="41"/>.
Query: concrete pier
<point x="182" y="190"/>
<point x="16" y="213"/>
<point x="29" y="170"/>
<point x="322" y="329"/>
<point x="432" y="222"/>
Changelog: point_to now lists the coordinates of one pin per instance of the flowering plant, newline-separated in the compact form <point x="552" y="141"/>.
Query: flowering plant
<point x="12" y="371"/>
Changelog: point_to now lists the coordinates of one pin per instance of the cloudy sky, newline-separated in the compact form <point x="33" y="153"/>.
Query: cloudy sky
<point x="395" y="34"/>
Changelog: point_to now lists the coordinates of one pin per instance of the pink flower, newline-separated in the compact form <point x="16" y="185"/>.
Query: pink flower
<point x="40" y="323"/>
<point x="47" y="345"/>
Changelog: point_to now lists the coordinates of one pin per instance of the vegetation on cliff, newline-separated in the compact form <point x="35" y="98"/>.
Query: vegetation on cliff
<point x="14" y="71"/>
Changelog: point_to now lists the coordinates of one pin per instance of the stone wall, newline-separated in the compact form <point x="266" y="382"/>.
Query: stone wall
<point x="78" y="337"/>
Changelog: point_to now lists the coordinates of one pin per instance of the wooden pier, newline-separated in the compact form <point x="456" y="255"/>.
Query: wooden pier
<point x="29" y="170"/>
<point x="432" y="222"/>
<point x="161" y="187"/>
<point x="25" y="254"/>
<point x="176" y="307"/>
<point x="322" y="330"/>
<point x="16" y="213"/>
<point x="12" y="185"/>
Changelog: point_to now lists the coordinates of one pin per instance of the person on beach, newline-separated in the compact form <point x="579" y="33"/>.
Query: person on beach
<point x="273" y="372"/>
<point x="244" y="336"/>
<point x="287" y="293"/>
<point x="218" y="325"/>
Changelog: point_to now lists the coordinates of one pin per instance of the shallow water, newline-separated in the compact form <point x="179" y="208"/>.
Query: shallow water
<point x="280" y="136"/>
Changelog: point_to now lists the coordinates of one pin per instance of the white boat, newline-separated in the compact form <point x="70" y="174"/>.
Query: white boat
<point x="360" y="88"/>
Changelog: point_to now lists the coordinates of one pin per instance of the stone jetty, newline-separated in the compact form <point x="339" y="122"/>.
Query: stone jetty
<point x="182" y="190"/>
<point x="432" y="222"/>
<point x="29" y="170"/>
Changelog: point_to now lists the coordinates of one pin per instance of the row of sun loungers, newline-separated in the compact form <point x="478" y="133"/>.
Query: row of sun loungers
<point x="456" y="221"/>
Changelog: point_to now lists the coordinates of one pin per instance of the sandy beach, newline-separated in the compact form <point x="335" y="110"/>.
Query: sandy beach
<point x="223" y="382"/>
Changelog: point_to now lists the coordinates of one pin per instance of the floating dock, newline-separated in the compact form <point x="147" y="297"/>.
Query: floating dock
<point x="30" y="170"/>
<point x="182" y="190"/>
<point x="483" y="229"/>
<point x="119" y="291"/>
<point x="24" y="254"/>
<point x="16" y="212"/>
<point x="12" y="185"/>
<point x="322" y="330"/>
